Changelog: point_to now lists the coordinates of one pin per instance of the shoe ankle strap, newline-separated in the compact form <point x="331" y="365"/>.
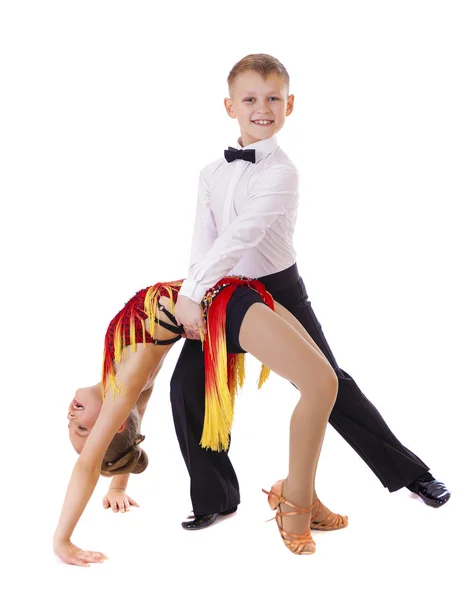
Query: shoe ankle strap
<point x="300" y="510"/>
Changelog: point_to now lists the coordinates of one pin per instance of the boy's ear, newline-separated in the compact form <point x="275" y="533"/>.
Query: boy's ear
<point x="122" y="427"/>
<point x="290" y="105"/>
<point x="228" y="105"/>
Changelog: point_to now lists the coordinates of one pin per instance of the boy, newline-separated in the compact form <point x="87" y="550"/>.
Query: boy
<point x="245" y="218"/>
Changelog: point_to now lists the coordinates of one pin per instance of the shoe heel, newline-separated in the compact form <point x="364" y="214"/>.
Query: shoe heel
<point x="274" y="497"/>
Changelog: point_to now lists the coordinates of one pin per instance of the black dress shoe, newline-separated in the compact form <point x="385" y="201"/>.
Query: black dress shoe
<point x="434" y="493"/>
<point x="202" y="521"/>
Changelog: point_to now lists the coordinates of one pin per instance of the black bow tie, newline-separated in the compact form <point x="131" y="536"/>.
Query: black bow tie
<point x="232" y="153"/>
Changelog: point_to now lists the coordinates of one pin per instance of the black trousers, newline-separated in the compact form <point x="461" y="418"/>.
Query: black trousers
<point x="214" y="485"/>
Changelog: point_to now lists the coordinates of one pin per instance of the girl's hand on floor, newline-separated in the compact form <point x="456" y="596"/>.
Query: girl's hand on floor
<point x="71" y="554"/>
<point x="118" y="501"/>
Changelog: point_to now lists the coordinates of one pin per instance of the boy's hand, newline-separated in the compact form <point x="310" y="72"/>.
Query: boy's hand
<point x="71" y="554"/>
<point x="118" y="501"/>
<point x="190" y="315"/>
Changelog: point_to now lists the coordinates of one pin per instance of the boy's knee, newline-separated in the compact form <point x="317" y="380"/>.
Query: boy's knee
<point x="175" y="386"/>
<point x="187" y="384"/>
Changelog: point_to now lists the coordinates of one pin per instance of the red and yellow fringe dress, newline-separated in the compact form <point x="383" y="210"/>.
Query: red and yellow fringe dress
<point x="224" y="373"/>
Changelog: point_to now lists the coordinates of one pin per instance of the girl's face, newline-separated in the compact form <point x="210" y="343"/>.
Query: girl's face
<point x="82" y="414"/>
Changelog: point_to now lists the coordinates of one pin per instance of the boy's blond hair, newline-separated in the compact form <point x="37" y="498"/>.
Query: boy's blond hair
<point x="264" y="64"/>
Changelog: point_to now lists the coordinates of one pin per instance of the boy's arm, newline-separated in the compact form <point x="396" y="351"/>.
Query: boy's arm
<point x="204" y="230"/>
<point x="274" y="194"/>
<point x="205" y="233"/>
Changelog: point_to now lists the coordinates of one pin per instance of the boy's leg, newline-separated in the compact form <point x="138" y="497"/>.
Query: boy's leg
<point x="214" y="485"/>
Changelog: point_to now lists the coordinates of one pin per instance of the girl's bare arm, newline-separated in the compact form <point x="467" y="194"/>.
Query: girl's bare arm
<point x="133" y="373"/>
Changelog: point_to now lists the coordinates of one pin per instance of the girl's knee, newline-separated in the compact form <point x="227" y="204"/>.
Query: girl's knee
<point x="332" y="384"/>
<point x="328" y="383"/>
<point x="322" y="383"/>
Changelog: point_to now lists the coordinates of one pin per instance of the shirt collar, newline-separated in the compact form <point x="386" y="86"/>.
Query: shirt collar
<point x="263" y="148"/>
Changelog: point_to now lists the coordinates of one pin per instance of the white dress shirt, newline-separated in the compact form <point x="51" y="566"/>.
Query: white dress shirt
<point x="245" y="219"/>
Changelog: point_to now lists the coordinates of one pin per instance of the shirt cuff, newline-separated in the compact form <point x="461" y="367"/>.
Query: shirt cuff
<point x="193" y="290"/>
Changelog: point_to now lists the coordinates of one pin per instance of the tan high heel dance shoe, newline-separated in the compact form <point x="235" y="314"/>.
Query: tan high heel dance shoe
<point x="298" y="543"/>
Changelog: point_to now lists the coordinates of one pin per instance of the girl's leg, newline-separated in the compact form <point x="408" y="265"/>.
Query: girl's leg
<point x="277" y="344"/>
<point x="321" y="512"/>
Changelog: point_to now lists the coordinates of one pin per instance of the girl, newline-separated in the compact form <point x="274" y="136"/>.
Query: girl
<point x="240" y="316"/>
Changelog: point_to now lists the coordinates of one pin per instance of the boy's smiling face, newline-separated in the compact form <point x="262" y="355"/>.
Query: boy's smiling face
<point x="260" y="105"/>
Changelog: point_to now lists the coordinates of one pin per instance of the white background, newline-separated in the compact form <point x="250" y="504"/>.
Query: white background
<point x="108" y="112"/>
